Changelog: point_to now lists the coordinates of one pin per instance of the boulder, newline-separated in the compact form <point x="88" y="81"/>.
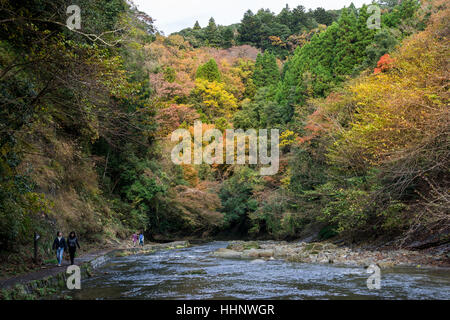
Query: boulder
<point x="227" y="253"/>
<point x="258" y="253"/>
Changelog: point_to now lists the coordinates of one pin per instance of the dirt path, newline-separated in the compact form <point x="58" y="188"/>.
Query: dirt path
<point x="51" y="269"/>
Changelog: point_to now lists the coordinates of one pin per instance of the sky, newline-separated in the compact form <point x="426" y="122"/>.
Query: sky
<point x="175" y="15"/>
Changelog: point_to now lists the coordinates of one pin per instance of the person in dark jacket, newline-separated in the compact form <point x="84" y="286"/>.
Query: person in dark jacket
<point x="72" y="243"/>
<point x="59" y="245"/>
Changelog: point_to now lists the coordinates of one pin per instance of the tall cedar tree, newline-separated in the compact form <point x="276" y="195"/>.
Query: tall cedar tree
<point x="209" y="71"/>
<point x="266" y="70"/>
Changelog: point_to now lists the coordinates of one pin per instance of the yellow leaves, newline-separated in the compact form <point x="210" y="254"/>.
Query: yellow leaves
<point x="177" y="41"/>
<point x="37" y="203"/>
<point x="276" y="41"/>
<point x="287" y="138"/>
<point x="214" y="96"/>
<point x="190" y="174"/>
<point x="399" y="109"/>
<point x="286" y="181"/>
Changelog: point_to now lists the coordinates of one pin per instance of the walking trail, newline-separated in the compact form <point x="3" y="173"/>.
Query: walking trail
<point x="50" y="269"/>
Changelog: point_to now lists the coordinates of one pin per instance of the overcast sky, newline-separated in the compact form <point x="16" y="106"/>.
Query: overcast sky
<point x="174" y="15"/>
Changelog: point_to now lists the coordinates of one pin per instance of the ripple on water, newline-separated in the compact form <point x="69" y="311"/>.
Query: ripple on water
<point x="174" y="274"/>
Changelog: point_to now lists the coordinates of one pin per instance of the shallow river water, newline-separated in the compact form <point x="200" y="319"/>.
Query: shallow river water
<point x="192" y="273"/>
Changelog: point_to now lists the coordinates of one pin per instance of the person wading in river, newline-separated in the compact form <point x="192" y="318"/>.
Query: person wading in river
<point x="59" y="245"/>
<point x="72" y="243"/>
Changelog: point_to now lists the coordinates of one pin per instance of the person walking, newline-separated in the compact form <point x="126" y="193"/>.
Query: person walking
<point x="59" y="244"/>
<point x="141" y="239"/>
<point x="72" y="243"/>
<point x="135" y="238"/>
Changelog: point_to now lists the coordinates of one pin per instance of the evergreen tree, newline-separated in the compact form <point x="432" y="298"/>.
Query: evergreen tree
<point x="322" y="16"/>
<point x="383" y="43"/>
<point x="300" y="20"/>
<point x="197" y="26"/>
<point x="209" y="71"/>
<point x="405" y="10"/>
<point x="266" y="70"/>
<point x="285" y="17"/>
<point x="345" y="51"/>
<point x="258" y="75"/>
<point x="211" y="33"/>
<point x="365" y="36"/>
<point x="324" y="62"/>
<point x="249" y="28"/>
<point x="227" y="36"/>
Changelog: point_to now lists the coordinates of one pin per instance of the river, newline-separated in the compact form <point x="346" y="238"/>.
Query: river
<point x="192" y="273"/>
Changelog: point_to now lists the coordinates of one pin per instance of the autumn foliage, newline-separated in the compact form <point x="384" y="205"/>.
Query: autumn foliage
<point x="384" y="64"/>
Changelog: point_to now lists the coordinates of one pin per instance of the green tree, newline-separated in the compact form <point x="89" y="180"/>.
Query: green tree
<point x="211" y="33"/>
<point x="209" y="71"/>
<point x="384" y="42"/>
<point x="322" y="16"/>
<point x="249" y="28"/>
<point x="266" y="71"/>
<point x="237" y="202"/>
<point x="227" y="35"/>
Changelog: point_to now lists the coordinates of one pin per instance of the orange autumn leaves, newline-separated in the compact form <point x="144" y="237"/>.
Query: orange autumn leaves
<point x="384" y="64"/>
<point x="180" y="97"/>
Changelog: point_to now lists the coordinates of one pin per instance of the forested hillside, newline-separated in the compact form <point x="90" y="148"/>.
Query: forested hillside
<point x="86" y="119"/>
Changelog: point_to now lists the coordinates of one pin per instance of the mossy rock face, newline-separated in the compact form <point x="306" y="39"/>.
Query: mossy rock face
<point x="18" y="292"/>
<point x="295" y="258"/>
<point x="5" y="295"/>
<point x="89" y="272"/>
<point x="121" y="254"/>
<point x="314" y="247"/>
<point x="329" y="246"/>
<point x="251" y="245"/>
<point x="147" y="251"/>
<point x="40" y="291"/>
<point x="34" y="284"/>
<point x="61" y="283"/>
<point x="233" y="246"/>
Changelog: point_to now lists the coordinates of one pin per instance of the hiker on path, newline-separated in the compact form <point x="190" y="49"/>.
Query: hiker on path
<point x="72" y="243"/>
<point x="135" y="238"/>
<point x="141" y="239"/>
<point x="59" y="244"/>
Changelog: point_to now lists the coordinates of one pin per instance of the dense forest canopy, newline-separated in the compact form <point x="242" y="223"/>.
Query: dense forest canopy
<point x="264" y="29"/>
<point x="86" y="118"/>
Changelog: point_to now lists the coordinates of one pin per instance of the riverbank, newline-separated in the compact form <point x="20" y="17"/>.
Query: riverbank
<point x="50" y="279"/>
<point x="329" y="253"/>
<point x="50" y="282"/>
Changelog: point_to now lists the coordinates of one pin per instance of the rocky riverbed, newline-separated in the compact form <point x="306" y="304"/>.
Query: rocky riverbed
<point x="258" y="270"/>
<point x="329" y="253"/>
